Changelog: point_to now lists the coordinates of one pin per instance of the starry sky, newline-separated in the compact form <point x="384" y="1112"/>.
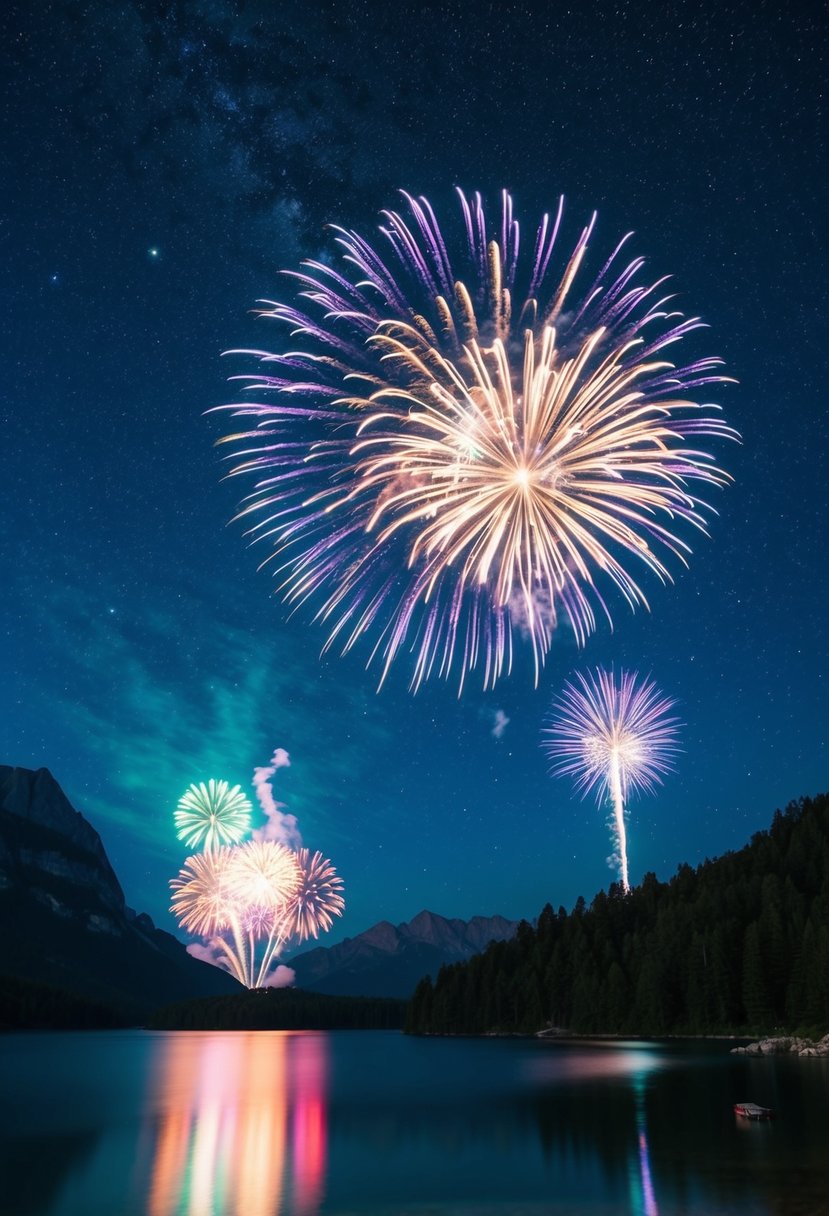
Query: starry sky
<point x="161" y="164"/>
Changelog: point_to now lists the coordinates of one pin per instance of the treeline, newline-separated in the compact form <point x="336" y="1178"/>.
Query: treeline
<point x="25" y="1005"/>
<point x="741" y="944"/>
<point x="281" y="1009"/>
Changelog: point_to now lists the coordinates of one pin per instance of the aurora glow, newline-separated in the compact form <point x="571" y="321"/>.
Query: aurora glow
<point x="615" y="735"/>
<point x="453" y="452"/>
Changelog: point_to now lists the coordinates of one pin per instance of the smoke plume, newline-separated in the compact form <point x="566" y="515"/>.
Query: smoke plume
<point x="279" y="827"/>
<point x="283" y="977"/>
<point x="210" y="953"/>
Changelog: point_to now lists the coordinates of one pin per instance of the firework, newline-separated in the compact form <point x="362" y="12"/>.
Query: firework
<point x="212" y="815"/>
<point x="238" y="893"/>
<point x="615" y="736"/>
<point x="451" y="453"/>
<point x="248" y="899"/>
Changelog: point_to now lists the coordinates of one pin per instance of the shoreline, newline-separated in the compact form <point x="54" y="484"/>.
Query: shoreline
<point x="785" y="1045"/>
<point x="566" y="1037"/>
<point x="746" y="1044"/>
<point x="553" y="1036"/>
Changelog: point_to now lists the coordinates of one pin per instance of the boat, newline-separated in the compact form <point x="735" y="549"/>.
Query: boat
<point x="750" y="1110"/>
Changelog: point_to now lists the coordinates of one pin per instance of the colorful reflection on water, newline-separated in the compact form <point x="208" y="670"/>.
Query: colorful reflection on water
<point x="370" y="1123"/>
<point x="241" y="1124"/>
<point x="629" y="1067"/>
<point x="643" y="1199"/>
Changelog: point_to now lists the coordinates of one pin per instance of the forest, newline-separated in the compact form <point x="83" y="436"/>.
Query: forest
<point x="281" y="1009"/>
<point x="739" y="945"/>
<point x="27" y="1005"/>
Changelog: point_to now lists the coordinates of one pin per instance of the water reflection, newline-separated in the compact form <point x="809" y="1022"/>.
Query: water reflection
<point x="270" y="1124"/>
<point x="594" y="1099"/>
<point x="643" y="1200"/>
<point x="631" y="1061"/>
<point x="241" y="1124"/>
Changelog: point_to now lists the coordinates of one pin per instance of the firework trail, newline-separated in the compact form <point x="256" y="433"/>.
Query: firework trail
<point x="615" y="737"/>
<point x="212" y="815"/>
<point x="452" y="448"/>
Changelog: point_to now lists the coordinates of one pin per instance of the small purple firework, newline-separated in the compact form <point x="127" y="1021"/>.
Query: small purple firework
<point x="615" y="736"/>
<point x="452" y="449"/>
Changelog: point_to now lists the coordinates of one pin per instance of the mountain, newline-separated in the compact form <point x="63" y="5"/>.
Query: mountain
<point x="63" y="918"/>
<point x="388" y="960"/>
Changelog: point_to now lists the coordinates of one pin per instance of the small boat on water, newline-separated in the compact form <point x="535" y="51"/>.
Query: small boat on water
<point x="750" y="1110"/>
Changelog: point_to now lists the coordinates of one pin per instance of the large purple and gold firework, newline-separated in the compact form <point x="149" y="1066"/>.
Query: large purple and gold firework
<point x="456" y="444"/>
<point x="615" y="735"/>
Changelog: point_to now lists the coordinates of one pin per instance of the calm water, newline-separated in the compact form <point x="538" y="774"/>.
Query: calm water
<point x="204" y="1124"/>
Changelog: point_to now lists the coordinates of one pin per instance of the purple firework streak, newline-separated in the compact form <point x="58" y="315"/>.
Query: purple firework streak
<point x="452" y="451"/>
<point x="615" y="736"/>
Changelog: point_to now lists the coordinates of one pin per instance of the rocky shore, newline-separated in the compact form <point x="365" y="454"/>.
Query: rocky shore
<point x="784" y="1044"/>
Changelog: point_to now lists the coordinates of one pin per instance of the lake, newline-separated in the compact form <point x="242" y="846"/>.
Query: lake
<point x="350" y="1123"/>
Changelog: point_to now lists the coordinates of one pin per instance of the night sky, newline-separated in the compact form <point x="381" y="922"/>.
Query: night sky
<point x="161" y="164"/>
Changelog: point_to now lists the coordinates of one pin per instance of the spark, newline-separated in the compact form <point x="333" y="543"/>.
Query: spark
<point x="615" y="737"/>
<point x="447" y="453"/>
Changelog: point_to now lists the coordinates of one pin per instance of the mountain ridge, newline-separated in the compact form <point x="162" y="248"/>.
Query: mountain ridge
<point x="389" y="960"/>
<point x="63" y="915"/>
